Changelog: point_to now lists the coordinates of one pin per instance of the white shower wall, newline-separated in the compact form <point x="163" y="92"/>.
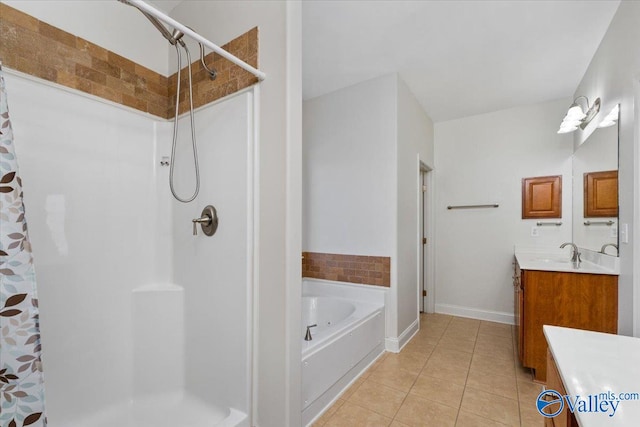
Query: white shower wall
<point x="103" y="225"/>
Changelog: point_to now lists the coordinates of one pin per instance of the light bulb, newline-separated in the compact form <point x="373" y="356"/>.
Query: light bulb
<point x="575" y="113"/>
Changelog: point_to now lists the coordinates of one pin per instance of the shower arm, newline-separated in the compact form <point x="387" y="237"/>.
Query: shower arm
<point x="142" y="6"/>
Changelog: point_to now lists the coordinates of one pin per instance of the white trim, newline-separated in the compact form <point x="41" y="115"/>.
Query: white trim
<point x="256" y="256"/>
<point x="474" y="313"/>
<point x="636" y="210"/>
<point x="293" y="220"/>
<point x="395" y="345"/>
<point x="197" y="37"/>
<point x="430" y="249"/>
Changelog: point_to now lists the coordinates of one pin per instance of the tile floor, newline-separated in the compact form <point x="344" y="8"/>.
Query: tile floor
<point x="454" y="372"/>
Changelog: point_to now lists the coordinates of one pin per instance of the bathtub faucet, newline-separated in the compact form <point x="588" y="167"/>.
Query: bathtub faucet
<point x="308" y="337"/>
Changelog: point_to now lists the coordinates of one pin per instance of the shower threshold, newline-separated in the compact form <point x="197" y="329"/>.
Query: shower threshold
<point x="167" y="410"/>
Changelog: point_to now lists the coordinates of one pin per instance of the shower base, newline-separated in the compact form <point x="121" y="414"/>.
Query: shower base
<point x="163" y="411"/>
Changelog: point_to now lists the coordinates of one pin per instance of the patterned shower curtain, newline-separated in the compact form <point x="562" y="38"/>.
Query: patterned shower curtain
<point x="21" y="379"/>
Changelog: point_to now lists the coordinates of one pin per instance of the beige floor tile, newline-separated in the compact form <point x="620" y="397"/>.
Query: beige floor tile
<point x="493" y="328"/>
<point x="491" y="366"/>
<point x="457" y="344"/>
<point x="417" y="411"/>
<point x="421" y="345"/>
<point x="353" y="415"/>
<point x="529" y="417"/>
<point x="461" y="334"/>
<point x="466" y="419"/>
<point x="378" y="398"/>
<point x="451" y="355"/>
<point x="329" y="413"/>
<point x="495" y="340"/>
<point x="396" y="378"/>
<point x="528" y="392"/>
<point x="465" y="321"/>
<point x="485" y="349"/>
<point x="438" y="390"/>
<point x="398" y="424"/>
<point x="491" y="406"/>
<point x="523" y="373"/>
<point x="352" y="388"/>
<point x="456" y="374"/>
<point x="408" y="360"/>
<point x="504" y="386"/>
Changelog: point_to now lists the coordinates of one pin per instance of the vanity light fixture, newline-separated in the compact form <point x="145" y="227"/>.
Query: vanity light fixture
<point x="610" y="118"/>
<point x="576" y="116"/>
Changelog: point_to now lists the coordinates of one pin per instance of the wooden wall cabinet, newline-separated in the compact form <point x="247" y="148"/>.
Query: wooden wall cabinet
<point x="601" y="194"/>
<point x="542" y="197"/>
<point x="573" y="300"/>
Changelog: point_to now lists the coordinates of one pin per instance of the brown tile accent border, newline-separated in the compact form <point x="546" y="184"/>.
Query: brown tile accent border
<point x="42" y="50"/>
<point x="368" y="270"/>
<point x="231" y="78"/>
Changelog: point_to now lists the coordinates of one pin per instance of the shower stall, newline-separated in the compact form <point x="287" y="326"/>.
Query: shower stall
<point x="143" y="323"/>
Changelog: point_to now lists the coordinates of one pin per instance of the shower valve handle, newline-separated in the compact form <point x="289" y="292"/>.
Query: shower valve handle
<point x="202" y="220"/>
<point x="208" y="220"/>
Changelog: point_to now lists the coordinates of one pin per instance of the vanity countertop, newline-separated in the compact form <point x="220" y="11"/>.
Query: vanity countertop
<point x="590" y="363"/>
<point x="562" y="263"/>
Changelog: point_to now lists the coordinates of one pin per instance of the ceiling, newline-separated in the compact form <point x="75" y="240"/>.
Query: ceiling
<point x="459" y="58"/>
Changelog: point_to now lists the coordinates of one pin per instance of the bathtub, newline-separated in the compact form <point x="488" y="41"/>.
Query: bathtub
<point x="349" y="337"/>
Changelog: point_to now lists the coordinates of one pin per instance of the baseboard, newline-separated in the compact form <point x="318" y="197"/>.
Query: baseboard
<point x="394" y="345"/>
<point x="474" y="313"/>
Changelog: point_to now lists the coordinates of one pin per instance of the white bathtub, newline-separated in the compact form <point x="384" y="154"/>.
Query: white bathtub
<point x="348" y="338"/>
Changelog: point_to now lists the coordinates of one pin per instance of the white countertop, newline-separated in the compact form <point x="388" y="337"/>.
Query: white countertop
<point x="555" y="262"/>
<point x="591" y="363"/>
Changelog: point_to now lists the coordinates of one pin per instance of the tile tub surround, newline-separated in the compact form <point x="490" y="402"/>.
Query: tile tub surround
<point x="36" y="48"/>
<point x="367" y="270"/>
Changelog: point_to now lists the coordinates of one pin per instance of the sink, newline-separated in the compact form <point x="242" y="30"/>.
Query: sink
<point x="555" y="260"/>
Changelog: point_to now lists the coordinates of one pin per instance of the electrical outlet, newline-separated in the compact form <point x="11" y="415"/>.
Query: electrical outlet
<point x="624" y="233"/>
<point x="535" y="231"/>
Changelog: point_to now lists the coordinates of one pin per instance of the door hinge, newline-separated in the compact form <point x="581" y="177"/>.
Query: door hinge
<point x="424" y="240"/>
<point x="424" y="293"/>
<point x="424" y="188"/>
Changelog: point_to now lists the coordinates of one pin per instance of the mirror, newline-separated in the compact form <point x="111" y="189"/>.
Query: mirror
<point x="595" y="191"/>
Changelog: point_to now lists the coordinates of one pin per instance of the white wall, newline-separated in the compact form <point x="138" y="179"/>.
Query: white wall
<point x="90" y="194"/>
<point x="278" y="353"/>
<point x="362" y="147"/>
<point x="613" y="71"/>
<point x="349" y="170"/>
<point x="415" y="142"/>
<point x="215" y="271"/>
<point x="482" y="159"/>
<point x="109" y="24"/>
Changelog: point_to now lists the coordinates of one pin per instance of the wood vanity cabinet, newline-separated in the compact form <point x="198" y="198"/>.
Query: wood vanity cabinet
<point x="573" y="300"/>
<point x="554" y="382"/>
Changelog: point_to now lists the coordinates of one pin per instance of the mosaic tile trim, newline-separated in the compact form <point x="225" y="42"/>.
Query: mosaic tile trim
<point x="368" y="270"/>
<point x="42" y="50"/>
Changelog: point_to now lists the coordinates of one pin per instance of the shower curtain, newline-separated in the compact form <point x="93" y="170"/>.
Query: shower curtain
<point x="21" y="379"/>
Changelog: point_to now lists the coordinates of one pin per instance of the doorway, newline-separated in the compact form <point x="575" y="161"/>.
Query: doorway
<point x="425" y="241"/>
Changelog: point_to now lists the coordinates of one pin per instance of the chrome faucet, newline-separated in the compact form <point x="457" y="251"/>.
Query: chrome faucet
<point x="602" y="249"/>
<point x="308" y="336"/>
<point x="575" y="255"/>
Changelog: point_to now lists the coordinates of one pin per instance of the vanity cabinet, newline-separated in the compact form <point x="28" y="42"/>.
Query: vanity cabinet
<point x="554" y="382"/>
<point x="573" y="300"/>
